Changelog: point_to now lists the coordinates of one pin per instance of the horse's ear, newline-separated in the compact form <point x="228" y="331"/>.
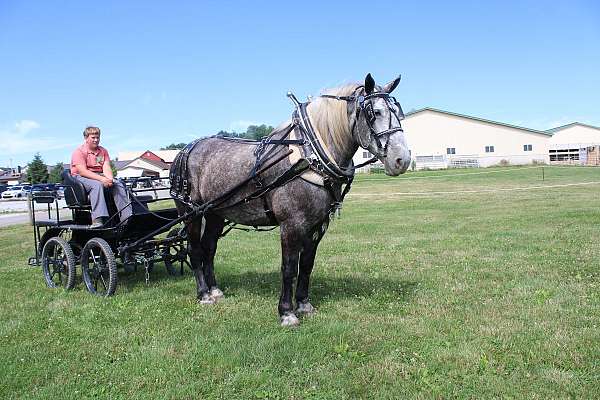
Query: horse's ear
<point x="369" y="84"/>
<point x="389" y="88"/>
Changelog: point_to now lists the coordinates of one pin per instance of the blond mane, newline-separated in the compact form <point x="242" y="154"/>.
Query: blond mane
<point x="329" y="117"/>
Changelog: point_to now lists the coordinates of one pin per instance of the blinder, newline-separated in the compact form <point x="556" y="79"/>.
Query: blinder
<point x="363" y="104"/>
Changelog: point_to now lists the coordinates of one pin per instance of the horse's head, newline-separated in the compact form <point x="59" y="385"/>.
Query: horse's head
<point x="377" y="127"/>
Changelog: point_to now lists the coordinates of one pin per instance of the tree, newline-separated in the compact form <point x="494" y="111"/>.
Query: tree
<point x="174" y="146"/>
<point x="231" y="134"/>
<point x="257" y="132"/>
<point x="254" y="132"/>
<point x="37" y="172"/>
<point x="55" y="174"/>
<point x="113" y="168"/>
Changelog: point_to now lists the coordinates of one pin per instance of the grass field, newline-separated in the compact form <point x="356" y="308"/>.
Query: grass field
<point x="443" y="284"/>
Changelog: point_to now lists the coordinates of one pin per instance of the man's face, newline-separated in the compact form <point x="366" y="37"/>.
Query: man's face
<point x="92" y="141"/>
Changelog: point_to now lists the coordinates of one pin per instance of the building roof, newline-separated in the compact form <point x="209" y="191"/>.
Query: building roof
<point x="487" y="121"/>
<point x="159" y="164"/>
<point x="166" y="155"/>
<point x="560" y="128"/>
<point x="121" y="165"/>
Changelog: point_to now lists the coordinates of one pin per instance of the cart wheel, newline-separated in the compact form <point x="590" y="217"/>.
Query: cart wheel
<point x="99" y="267"/>
<point x="175" y="253"/>
<point x="58" y="263"/>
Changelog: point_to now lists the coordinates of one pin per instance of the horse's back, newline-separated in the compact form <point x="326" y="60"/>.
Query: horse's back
<point x="216" y="165"/>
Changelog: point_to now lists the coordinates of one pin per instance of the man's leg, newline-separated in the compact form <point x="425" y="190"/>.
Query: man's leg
<point x="95" y="192"/>
<point x="119" y="193"/>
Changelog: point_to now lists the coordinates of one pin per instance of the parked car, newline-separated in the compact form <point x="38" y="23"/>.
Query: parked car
<point x="38" y="188"/>
<point x="60" y="191"/>
<point x="17" y="191"/>
<point x="3" y="187"/>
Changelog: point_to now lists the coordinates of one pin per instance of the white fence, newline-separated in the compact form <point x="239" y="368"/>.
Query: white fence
<point x="475" y="160"/>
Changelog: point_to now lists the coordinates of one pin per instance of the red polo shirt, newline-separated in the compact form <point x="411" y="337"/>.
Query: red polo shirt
<point x="93" y="160"/>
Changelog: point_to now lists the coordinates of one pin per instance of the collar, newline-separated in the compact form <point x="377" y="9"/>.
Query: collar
<point x="84" y="148"/>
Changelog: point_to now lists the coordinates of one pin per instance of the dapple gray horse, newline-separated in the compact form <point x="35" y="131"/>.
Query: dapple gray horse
<point x="345" y="118"/>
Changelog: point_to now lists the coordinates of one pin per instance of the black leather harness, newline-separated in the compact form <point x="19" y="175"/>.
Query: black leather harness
<point x="315" y="157"/>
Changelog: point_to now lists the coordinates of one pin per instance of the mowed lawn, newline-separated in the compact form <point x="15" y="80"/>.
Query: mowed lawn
<point x="475" y="283"/>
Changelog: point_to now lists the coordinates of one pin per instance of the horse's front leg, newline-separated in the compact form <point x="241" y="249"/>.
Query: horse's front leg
<point x="307" y="262"/>
<point x="291" y="245"/>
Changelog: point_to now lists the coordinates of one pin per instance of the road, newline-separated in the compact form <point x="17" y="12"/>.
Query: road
<point x="14" y="212"/>
<point x="9" y="219"/>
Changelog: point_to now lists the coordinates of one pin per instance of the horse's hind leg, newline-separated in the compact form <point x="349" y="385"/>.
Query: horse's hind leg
<point x="197" y="259"/>
<point x="307" y="262"/>
<point x="212" y="232"/>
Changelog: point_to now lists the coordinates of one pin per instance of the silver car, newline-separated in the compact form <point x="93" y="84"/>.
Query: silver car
<point x="14" y="192"/>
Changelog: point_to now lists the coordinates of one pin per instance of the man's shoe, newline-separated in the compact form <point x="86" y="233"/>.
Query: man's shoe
<point x="98" y="223"/>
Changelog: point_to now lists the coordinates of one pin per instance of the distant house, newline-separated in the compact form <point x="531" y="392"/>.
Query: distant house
<point x="166" y="156"/>
<point x="11" y="176"/>
<point x="156" y="163"/>
<point x="142" y="167"/>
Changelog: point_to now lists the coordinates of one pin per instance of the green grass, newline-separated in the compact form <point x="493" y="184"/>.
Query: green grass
<point x="486" y="294"/>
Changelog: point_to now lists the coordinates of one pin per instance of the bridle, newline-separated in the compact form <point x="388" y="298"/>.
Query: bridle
<point x="364" y="104"/>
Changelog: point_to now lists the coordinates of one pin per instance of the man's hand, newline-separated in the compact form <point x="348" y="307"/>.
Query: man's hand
<point x="106" y="182"/>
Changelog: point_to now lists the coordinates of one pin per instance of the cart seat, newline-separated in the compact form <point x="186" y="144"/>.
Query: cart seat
<point x="75" y="194"/>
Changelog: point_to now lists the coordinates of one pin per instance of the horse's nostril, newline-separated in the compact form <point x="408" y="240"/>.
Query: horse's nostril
<point x="398" y="162"/>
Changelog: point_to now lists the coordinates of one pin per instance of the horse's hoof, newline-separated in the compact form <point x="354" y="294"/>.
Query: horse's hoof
<point x="289" y="320"/>
<point x="206" y="299"/>
<point x="216" y="293"/>
<point x="305" y="309"/>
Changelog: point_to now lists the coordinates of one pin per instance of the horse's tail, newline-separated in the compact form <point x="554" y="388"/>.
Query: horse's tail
<point x="178" y="174"/>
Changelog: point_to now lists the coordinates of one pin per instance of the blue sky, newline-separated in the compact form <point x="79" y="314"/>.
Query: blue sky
<point x="152" y="73"/>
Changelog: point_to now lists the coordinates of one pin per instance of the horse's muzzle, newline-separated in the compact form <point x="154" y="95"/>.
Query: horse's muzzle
<point x="397" y="160"/>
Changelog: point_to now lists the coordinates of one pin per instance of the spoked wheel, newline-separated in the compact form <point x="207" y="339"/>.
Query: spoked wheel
<point x="176" y="252"/>
<point x="99" y="267"/>
<point x="58" y="263"/>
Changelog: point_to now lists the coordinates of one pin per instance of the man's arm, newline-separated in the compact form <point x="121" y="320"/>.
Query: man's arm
<point x="86" y="173"/>
<point x="107" y="170"/>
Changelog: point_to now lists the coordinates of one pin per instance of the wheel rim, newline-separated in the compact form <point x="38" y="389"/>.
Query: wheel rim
<point x="99" y="268"/>
<point x="58" y="264"/>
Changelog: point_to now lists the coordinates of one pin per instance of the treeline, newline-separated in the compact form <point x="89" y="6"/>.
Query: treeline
<point x="254" y="132"/>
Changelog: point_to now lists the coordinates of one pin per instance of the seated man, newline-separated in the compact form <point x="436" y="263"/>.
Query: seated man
<point x="90" y="165"/>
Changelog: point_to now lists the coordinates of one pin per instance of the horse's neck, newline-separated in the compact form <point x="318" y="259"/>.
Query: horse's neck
<point x="343" y="152"/>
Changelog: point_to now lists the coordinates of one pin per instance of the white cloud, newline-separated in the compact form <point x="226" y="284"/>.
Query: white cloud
<point x="19" y="139"/>
<point x="23" y="127"/>
<point x="241" y="125"/>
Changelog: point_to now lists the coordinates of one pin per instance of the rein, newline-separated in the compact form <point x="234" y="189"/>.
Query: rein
<point x="316" y="157"/>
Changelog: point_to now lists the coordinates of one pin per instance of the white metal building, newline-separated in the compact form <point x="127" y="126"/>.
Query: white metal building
<point x="442" y="139"/>
<point x="575" y="143"/>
